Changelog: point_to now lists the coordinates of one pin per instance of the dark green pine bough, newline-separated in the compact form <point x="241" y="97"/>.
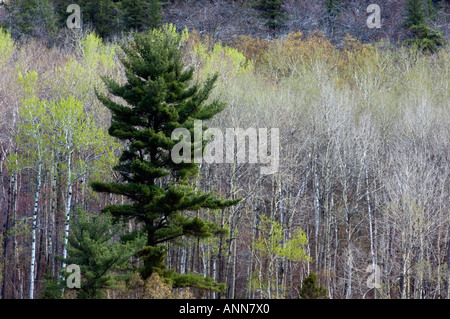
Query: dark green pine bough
<point x="271" y="12"/>
<point x="311" y="289"/>
<point x="423" y="37"/>
<point x="160" y="97"/>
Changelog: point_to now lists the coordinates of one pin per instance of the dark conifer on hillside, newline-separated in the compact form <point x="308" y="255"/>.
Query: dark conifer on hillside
<point x="271" y="12"/>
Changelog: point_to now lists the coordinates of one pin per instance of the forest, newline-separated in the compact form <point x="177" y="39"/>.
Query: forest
<point x="354" y="122"/>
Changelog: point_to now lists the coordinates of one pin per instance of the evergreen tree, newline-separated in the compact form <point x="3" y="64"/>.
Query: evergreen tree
<point x="160" y="98"/>
<point x="134" y="14"/>
<point x="141" y="14"/>
<point x="430" y="10"/>
<point x="52" y="287"/>
<point x="93" y="247"/>
<point x="272" y="13"/>
<point x="423" y="37"/>
<point x="155" y="13"/>
<point x="33" y="18"/>
<point x="311" y="290"/>
<point x="109" y="17"/>
<point x="332" y="11"/>
<point x="333" y="7"/>
<point x="104" y="16"/>
<point x="415" y="14"/>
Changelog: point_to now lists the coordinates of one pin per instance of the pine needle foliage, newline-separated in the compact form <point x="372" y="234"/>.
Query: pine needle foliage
<point x="159" y="97"/>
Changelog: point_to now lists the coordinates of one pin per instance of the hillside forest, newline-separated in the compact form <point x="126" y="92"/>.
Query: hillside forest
<point x="354" y="122"/>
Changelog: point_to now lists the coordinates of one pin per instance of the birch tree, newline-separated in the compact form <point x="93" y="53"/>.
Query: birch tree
<point x="87" y="150"/>
<point x="34" y="147"/>
<point x="270" y="247"/>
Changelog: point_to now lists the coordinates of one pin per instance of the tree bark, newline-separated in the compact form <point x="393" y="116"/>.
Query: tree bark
<point x="68" y="204"/>
<point x="33" y="230"/>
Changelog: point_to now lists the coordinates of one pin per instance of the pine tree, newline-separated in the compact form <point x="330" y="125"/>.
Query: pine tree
<point x="430" y="10"/>
<point x="333" y="7"/>
<point x="140" y="14"/>
<point x="161" y="97"/>
<point x="104" y="17"/>
<point x="133" y="13"/>
<point x="92" y="247"/>
<point x="415" y="14"/>
<point x="52" y="287"/>
<point x="311" y="290"/>
<point x="423" y="36"/>
<point x="33" y="18"/>
<point x="272" y="13"/>
<point x="155" y="14"/>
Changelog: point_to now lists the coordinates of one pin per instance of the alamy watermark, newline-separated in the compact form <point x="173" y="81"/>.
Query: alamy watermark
<point x="74" y="20"/>
<point x="74" y="279"/>
<point x="374" y="20"/>
<point x="225" y="147"/>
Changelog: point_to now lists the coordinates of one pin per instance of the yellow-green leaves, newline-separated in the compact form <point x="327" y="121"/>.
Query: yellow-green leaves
<point x="295" y="247"/>
<point x="28" y="83"/>
<point x="59" y="126"/>
<point x="58" y="112"/>
<point x="272" y="245"/>
<point x="96" y="54"/>
<point x="80" y="76"/>
<point x="67" y="116"/>
<point x="169" y="32"/>
<point x="7" y="47"/>
<point x="228" y="62"/>
<point x="32" y="114"/>
<point x="74" y="131"/>
<point x="272" y="242"/>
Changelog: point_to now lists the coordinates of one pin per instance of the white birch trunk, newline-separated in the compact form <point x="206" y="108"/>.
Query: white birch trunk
<point x="33" y="232"/>
<point x="51" y="230"/>
<point x="316" y="207"/>
<point x="214" y="275"/>
<point x="183" y="260"/>
<point x="369" y="212"/>
<point x="69" y="199"/>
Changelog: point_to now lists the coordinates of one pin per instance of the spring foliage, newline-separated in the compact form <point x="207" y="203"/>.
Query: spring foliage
<point x="375" y="108"/>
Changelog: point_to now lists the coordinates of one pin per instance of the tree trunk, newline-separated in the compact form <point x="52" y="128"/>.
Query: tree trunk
<point x="369" y="212"/>
<point x="316" y="211"/>
<point x="51" y="264"/>
<point x="448" y="265"/>
<point x="68" y="204"/>
<point x="15" y="247"/>
<point x="33" y="229"/>
<point x="5" y="235"/>
<point x="183" y="260"/>
<point x="232" y="278"/>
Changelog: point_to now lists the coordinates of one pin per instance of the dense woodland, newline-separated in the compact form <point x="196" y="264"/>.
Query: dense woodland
<point x="363" y="181"/>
